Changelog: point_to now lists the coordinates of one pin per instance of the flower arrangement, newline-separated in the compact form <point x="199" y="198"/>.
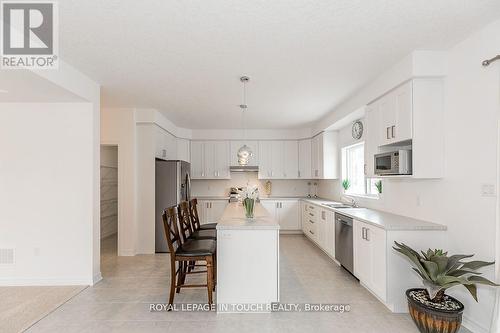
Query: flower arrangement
<point x="248" y="197"/>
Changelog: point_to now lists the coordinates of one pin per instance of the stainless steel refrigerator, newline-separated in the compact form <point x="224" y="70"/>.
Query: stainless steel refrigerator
<point x="173" y="185"/>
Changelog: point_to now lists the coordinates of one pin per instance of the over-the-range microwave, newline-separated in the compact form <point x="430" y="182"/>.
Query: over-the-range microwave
<point x="396" y="162"/>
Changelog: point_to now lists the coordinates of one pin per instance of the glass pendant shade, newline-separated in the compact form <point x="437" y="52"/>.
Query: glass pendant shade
<point x="244" y="154"/>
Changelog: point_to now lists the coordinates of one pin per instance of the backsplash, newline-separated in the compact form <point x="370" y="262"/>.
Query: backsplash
<point x="238" y="179"/>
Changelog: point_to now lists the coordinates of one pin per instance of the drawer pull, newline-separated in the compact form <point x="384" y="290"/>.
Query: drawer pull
<point x="311" y="221"/>
<point x="311" y="232"/>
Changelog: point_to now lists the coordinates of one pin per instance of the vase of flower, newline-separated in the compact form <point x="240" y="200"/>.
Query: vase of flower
<point x="248" y="197"/>
<point x="249" y="205"/>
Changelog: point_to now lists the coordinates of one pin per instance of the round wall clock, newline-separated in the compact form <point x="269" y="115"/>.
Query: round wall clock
<point x="357" y="130"/>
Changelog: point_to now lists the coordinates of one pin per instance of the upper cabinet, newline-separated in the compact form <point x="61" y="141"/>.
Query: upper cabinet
<point x="305" y="158"/>
<point x="253" y="145"/>
<point x="325" y="156"/>
<point x="183" y="152"/>
<point x="165" y="144"/>
<point x="210" y="160"/>
<point x="396" y="109"/>
<point x="409" y="116"/>
<point x="278" y="160"/>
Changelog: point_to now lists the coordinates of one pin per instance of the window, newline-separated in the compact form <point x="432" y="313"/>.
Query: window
<point x="353" y="170"/>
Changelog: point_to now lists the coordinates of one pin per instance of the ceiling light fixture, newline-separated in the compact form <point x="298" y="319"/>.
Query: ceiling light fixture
<point x="244" y="153"/>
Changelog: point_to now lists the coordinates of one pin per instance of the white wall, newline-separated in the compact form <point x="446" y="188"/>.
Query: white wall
<point x="238" y="179"/>
<point x="118" y="128"/>
<point x="47" y="192"/>
<point x="472" y="106"/>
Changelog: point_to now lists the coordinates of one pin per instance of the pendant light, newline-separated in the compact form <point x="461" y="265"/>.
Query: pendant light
<point x="244" y="153"/>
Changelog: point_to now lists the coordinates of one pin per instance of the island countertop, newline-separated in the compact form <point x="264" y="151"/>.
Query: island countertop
<point x="234" y="218"/>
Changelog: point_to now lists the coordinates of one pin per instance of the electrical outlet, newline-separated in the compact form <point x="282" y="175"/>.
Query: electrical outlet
<point x="488" y="190"/>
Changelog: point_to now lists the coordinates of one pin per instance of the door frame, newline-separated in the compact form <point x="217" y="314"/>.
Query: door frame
<point x="119" y="194"/>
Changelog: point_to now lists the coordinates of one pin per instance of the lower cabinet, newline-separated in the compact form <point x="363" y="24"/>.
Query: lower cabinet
<point x="370" y="265"/>
<point x="210" y="211"/>
<point x="318" y="224"/>
<point x="286" y="212"/>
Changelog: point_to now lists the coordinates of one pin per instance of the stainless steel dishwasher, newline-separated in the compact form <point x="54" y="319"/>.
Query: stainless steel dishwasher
<point x="343" y="241"/>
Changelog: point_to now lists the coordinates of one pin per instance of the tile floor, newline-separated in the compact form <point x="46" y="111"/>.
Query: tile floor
<point x="120" y="302"/>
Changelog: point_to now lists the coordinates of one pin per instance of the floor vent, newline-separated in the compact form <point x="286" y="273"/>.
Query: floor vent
<point x="6" y="256"/>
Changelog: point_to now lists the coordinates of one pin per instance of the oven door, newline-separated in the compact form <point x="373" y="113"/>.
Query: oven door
<point x="384" y="164"/>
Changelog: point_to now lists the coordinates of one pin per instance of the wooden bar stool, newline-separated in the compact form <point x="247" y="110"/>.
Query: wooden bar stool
<point x="195" y="217"/>
<point x="183" y="251"/>
<point x="189" y="227"/>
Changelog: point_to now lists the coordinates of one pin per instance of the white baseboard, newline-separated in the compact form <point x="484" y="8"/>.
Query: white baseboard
<point x="127" y="253"/>
<point x="291" y="232"/>
<point x="473" y="326"/>
<point x="97" y="278"/>
<point x="20" y="282"/>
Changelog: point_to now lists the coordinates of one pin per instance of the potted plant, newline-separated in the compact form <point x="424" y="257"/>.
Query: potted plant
<point x="378" y="186"/>
<point x="346" y="183"/>
<point x="430" y="308"/>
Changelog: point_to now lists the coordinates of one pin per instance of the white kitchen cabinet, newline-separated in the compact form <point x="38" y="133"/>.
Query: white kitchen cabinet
<point x="371" y="134"/>
<point x="325" y="155"/>
<point x="305" y="159"/>
<point x="236" y="145"/>
<point x="286" y="212"/>
<point x="278" y="160"/>
<point x="165" y="144"/>
<point x="409" y="116"/>
<point x="396" y="113"/>
<point x="210" y="211"/>
<point x="370" y="257"/>
<point x="197" y="160"/>
<point x="291" y="160"/>
<point x="183" y="152"/>
<point x="303" y="216"/>
<point x="310" y="222"/>
<point x="210" y="160"/>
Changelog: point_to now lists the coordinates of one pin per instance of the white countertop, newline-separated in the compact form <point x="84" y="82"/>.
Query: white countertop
<point x="234" y="218"/>
<point x="387" y="221"/>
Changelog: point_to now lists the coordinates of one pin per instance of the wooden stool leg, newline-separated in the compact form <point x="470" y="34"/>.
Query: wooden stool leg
<point x="215" y="270"/>
<point x="180" y="276"/>
<point x="172" y="282"/>
<point x="210" y="276"/>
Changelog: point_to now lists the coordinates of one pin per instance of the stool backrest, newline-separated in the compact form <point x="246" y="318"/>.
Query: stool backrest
<point x="193" y="211"/>
<point x="185" y="224"/>
<point x="171" y="230"/>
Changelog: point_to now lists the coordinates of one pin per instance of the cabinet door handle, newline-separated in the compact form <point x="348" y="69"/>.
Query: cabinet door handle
<point x="363" y="232"/>
<point x="311" y="221"/>
<point x="393" y="128"/>
<point x="323" y="215"/>
<point x="366" y="235"/>
<point x="298" y="173"/>
<point x="311" y="214"/>
<point x="387" y="133"/>
<point x="311" y="232"/>
<point x="364" y="168"/>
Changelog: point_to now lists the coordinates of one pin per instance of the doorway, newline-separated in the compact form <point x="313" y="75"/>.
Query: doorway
<point x="109" y="200"/>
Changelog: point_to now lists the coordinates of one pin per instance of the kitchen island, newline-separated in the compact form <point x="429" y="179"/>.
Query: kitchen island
<point x="247" y="260"/>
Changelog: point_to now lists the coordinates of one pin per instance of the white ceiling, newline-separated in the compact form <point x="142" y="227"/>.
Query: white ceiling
<point x="304" y="57"/>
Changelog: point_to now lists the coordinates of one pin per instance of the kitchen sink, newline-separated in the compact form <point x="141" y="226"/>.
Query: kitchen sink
<point x="340" y="206"/>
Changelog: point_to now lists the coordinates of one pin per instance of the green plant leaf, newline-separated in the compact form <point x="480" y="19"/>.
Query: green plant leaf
<point x="481" y="280"/>
<point x="413" y="256"/>
<point x="442" y="262"/>
<point x="431" y="268"/>
<point x="454" y="261"/>
<point x="473" y="265"/>
<point x="472" y="289"/>
<point x="460" y="272"/>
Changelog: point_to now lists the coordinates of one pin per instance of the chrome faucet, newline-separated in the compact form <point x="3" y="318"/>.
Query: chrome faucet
<point x="354" y="203"/>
